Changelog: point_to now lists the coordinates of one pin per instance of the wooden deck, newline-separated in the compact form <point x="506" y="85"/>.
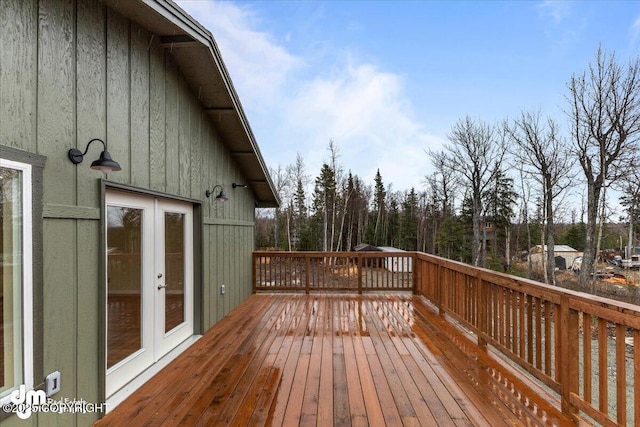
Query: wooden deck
<point x="329" y="359"/>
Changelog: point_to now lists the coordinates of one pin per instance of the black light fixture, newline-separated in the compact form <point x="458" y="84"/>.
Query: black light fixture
<point x="104" y="163"/>
<point x="221" y="197"/>
<point x="234" y="185"/>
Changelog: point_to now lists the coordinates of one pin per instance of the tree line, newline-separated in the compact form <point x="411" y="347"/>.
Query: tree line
<point x="496" y="190"/>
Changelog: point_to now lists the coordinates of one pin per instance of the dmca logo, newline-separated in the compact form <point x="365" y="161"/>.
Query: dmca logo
<point x="25" y="402"/>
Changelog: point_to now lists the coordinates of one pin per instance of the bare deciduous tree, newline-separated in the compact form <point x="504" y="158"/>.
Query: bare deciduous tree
<point x="604" y="115"/>
<point x="281" y="182"/>
<point x="525" y="202"/>
<point x="544" y="157"/>
<point x="475" y="153"/>
<point x="440" y="197"/>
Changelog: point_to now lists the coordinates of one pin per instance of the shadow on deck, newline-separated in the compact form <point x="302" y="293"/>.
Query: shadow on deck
<point x="336" y="359"/>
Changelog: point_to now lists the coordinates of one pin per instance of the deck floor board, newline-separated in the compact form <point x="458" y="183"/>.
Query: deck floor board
<point x="319" y="359"/>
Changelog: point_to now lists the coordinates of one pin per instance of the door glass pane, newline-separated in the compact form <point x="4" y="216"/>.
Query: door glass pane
<point x="124" y="282"/>
<point x="10" y="279"/>
<point x="174" y="266"/>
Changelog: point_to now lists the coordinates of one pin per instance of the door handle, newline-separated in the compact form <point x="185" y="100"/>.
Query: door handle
<point x="162" y="286"/>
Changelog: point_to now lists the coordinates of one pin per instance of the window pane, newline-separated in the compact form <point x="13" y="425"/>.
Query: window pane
<point x="11" y="212"/>
<point x="124" y="282"/>
<point x="174" y="265"/>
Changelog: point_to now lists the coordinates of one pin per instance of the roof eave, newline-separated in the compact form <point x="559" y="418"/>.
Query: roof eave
<point x="196" y="53"/>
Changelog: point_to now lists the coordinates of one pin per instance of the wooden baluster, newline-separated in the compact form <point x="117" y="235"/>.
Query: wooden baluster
<point x="568" y="354"/>
<point x="603" y="383"/>
<point x="586" y="358"/>
<point x="547" y="338"/>
<point x="621" y="376"/>
<point x="521" y="324"/>
<point x="538" y="332"/>
<point x="636" y="377"/>
<point x="529" y="329"/>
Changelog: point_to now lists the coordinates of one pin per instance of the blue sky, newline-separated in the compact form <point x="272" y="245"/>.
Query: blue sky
<point x="386" y="80"/>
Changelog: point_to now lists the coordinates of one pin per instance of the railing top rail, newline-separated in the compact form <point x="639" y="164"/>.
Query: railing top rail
<point x="334" y="254"/>
<point x="549" y="292"/>
<point x="554" y="343"/>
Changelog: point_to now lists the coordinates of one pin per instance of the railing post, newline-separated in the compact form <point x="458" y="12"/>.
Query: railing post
<point x="438" y="291"/>
<point x="481" y="312"/>
<point x="254" y="274"/>
<point x="307" y="267"/>
<point x="415" y="272"/>
<point x="568" y="352"/>
<point x="359" y="273"/>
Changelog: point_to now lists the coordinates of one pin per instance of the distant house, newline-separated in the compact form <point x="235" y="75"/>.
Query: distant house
<point x="564" y="255"/>
<point x="109" y="274"/>
<point x="488" y="228"/>
<point x="365" y="247"/>
<point x="395" y="264"/>
<point x="628" y="252"/>
<point x="373" y="262"/>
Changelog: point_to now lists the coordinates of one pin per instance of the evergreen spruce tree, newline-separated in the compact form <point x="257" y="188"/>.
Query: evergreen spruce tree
<point x="409" y="226"/>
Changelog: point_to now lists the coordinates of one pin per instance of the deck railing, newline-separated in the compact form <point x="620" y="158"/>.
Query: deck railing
<point x="582" y="348"/>
<point x="333" y="271"/>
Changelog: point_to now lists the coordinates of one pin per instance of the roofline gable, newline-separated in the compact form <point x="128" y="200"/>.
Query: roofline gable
<point x="195" y="51"/>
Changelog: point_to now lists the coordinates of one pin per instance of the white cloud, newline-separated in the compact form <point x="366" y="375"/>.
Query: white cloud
<point x="635" y="31"/>
<point x="563" y="29"/>
<point x="363" y="109"/>
<point x="352" y="101"/>
<point x="366" y="113"/>
<point x="258" y="65"/>
<point x="558" y="10"/>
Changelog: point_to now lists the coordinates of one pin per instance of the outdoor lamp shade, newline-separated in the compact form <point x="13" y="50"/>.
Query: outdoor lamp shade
<point x="221" y="197"/>
<point x="105" y="163"/>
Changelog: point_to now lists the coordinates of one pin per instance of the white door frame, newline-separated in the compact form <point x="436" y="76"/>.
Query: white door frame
<point x="155" y="341"/>
<point x="165" y="341"/>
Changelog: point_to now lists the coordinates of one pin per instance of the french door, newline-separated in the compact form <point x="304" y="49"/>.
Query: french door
<point x="149" y="282"/>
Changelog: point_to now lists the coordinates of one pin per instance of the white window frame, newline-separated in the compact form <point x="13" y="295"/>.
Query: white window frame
<point x="27" y="276"/>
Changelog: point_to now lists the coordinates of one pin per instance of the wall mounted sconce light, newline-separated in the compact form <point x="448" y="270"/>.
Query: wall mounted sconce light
<point x="234" y="185"/>
<point x="104" y="163"/>
<point x="221" y="197"/>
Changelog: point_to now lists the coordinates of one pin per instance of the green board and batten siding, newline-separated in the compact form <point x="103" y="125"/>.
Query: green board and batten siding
<point x="82" y="71"/>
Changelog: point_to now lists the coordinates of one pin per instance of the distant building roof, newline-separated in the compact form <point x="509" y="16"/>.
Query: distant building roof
<point x="557" y="248"/>
<point x="390" y="249"/>
<point x="365" y="247"/>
